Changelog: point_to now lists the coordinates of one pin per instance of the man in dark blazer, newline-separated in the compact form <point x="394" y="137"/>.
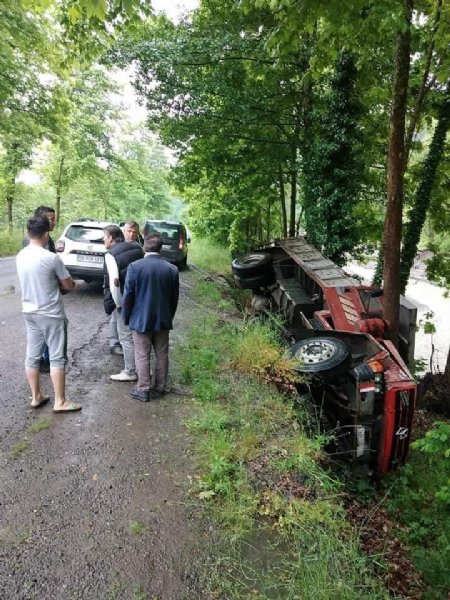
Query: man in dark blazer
<point x="149" y="302"/>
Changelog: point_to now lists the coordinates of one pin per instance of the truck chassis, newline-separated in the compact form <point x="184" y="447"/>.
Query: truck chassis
<point x="338" y="335"/>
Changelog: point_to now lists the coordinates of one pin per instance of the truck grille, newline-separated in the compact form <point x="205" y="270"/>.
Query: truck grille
<point x="404" y="412"/>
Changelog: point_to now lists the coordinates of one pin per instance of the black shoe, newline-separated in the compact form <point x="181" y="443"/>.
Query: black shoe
<point x="44" y="366"/>
<point x="157" y="393"/>
<point x="140" y="395"/>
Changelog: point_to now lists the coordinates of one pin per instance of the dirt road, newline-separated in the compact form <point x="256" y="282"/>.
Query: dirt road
<point x="93" y="505"/>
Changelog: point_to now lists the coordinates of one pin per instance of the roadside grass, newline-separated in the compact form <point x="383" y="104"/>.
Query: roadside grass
<point x="419" y="500"/>
<point x="210" y="256"/>
<point x="39" y="425"/>
<point x="19" y="448"/>
<point x="261" y="469"/>
<point x="139" y="592"/>
<point x="137" y="528"/>
<point x="10" y="242"/>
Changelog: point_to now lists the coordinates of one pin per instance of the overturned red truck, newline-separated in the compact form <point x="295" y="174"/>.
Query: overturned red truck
<point x="358" y="378"/>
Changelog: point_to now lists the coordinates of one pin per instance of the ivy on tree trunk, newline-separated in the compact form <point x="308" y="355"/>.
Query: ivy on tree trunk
<point x="422" y="201"/>
<point x="393" y="219"/>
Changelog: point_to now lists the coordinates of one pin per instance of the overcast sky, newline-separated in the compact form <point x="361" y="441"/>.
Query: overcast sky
<point x="173" y="8"/>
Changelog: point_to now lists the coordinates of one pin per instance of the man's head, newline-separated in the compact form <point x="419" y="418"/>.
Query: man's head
<point x="46" y="211"/>
<point x="111" y="235"/>
<point x="38" y="228"/>
<point x="153" y="242"/>
<point x="131" y="231"/>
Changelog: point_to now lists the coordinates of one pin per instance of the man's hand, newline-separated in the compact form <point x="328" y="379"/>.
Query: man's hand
<point x="69" y="285"/>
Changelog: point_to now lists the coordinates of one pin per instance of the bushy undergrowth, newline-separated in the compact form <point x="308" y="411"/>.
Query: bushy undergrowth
<point x="10" y="243"/>
<point x="262" y="474"/>
<point x="210" y="256"/>
<point x="420" y="499"/>
<point x="257" y="352"/>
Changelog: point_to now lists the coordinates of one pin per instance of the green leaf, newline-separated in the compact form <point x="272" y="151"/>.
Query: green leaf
<point x="97" y="8"/>
<point x="128" y="6"/>
<point x="74" y="14"/>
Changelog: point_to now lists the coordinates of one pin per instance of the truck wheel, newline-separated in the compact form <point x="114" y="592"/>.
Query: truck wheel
<point x="321" y="355"/>
<point x="251" y="265"/>
<point x="254" y="283"/>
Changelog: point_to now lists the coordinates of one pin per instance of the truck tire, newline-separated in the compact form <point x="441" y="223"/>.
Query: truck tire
<point x="327" y="357"/>
<point x="251" y="265"/>
<point x="254" y="283"/>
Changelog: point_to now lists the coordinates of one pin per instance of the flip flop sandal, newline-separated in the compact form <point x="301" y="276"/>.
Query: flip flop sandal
<point x="42" y="403"/>
<point x="71" y="407"/>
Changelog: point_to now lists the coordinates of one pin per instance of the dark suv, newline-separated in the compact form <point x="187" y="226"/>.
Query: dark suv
<point x="175" y="240"/>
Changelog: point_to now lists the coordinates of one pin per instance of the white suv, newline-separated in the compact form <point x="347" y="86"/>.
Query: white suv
<point x="82" y="249"/>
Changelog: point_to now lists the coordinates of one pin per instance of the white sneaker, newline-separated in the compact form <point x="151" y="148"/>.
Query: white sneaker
<point x="124" y="376"/>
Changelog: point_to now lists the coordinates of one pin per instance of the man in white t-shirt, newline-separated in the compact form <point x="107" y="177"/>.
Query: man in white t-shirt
<point x="42" y="276"/>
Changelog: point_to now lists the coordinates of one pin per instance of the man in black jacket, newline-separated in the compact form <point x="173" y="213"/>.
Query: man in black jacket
<point x="150" y="300"/>
<point x="119" y="255"/>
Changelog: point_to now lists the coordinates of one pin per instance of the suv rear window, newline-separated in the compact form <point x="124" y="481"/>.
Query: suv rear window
<point x="165" y="230"/>
<point x="82" y="233"/>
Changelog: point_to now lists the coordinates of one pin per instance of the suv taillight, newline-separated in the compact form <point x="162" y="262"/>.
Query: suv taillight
<point x="60" y="245"/>
<point x="180" y="244"/>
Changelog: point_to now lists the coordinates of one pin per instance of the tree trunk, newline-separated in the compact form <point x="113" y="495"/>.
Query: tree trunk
<point x="422" y="200"/>
<point x="282" y="201"/>
<point x="59" y="188"/>
<point x="447" y="370"/>
<point x="294" y="149"/>
<point x="10" y="201"/>
<point x="423" y="87"/>
<point x="293" y="203"/>
<point x="393" y="220"/>
<point x="378" y="274"/>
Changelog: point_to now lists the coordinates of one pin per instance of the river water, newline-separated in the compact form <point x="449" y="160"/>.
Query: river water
<point x="427" y="297"/>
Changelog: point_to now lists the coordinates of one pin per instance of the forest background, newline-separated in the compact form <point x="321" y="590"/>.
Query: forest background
<point x="320" y="117"/>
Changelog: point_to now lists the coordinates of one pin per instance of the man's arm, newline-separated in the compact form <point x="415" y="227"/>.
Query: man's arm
<point x="113" y="274"/>
<point x="69" y="285"/>
<point x="66" y="283"/>
<point x="129" y="294"/>
<point x="175" y="294"/>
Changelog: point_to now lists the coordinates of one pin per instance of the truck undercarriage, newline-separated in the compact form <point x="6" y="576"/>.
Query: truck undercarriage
<point x="337" y="334"/>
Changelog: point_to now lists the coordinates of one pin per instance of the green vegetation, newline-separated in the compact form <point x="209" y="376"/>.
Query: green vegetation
<point x="137" y="528"/>
<point x="419" y="499"/>
<point x="39" y="425"/>
<point x="10" y="242"/>
<point x="260" y="471"/>
<point x="210" y="256"/>
<point x="19" y="448"/>
<point x="139" y="592"/>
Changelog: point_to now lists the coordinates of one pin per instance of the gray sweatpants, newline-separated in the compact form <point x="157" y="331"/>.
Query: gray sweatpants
<point x="51" y="331"/>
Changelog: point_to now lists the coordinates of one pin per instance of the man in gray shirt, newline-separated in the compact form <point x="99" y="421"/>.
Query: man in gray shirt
<point x="44" y="211"/>
<point x="42" y="276"/>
